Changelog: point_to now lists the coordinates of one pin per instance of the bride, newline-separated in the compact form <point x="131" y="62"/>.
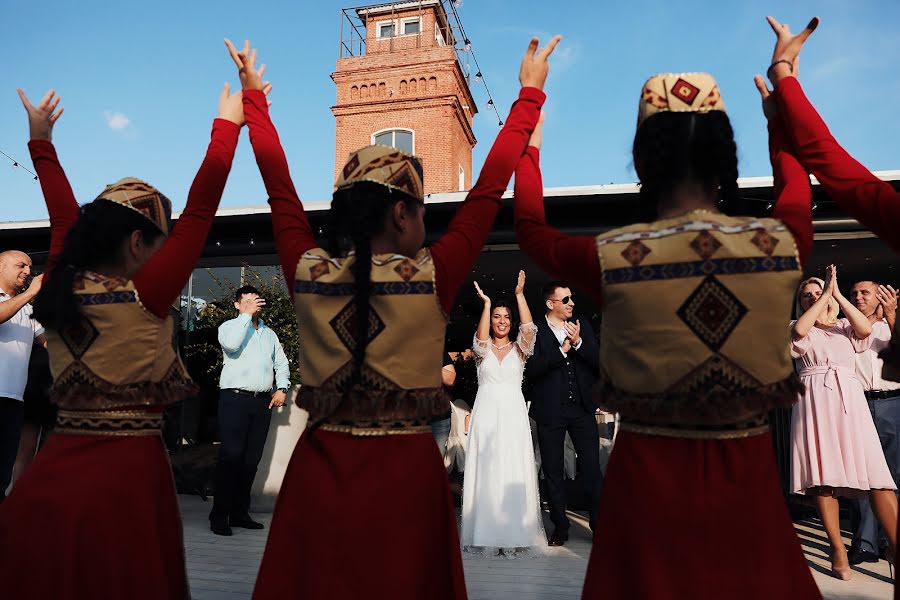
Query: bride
<point x="501" y="507"/>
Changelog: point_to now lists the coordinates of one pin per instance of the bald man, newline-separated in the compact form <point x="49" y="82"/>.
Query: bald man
<point x="18" y="332"/>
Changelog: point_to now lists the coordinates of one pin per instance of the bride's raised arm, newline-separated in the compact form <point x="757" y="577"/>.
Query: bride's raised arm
<point x="527" y="329"/>
<point x="483" y="333"/>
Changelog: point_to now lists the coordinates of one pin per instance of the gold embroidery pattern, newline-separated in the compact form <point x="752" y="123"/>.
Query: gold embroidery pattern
<point x="110" y="423"/>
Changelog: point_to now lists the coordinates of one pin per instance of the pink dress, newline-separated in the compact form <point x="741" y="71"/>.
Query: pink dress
<point x="833" y="437"/>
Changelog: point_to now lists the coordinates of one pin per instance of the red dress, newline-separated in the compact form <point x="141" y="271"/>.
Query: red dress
<point x="682" y="518"/>
<point x="373" y="516"/>
<point x="96" y="516"/>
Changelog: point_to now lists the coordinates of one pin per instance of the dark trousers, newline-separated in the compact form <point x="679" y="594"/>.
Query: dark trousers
<point x="243" y="427"/>
<point x="867" y="534"/>
<point x="12" y="416"/>
<point x="582" y="428"/>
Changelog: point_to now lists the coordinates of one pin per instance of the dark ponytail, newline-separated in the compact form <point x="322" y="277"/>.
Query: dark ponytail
<point x="673" y="148"/>
<point x="94" y="240"/>
<point x="357" y="215"/>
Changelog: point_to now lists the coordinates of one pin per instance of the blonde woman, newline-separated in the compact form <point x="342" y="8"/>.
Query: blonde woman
<point x="835" y="449"/>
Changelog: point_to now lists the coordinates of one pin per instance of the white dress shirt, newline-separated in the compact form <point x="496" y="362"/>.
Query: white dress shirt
<point x="16" y="338"/>
<point x="868" y="365"/>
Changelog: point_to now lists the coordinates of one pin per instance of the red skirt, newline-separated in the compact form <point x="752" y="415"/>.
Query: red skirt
<point x="363" y="517"/>
<point x="94" y="517"/>
<point x="683" y="518"/>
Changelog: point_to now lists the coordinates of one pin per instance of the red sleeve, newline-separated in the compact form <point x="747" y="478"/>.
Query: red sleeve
<point x="572" y="259"/>
<point x="457" y="250"/>
<point x="793" y="193"/>
<point x="293" y="234"/>
<point x="160" y="281"/>
<point x="872" y="202"/>
<point x="61" y="203"/>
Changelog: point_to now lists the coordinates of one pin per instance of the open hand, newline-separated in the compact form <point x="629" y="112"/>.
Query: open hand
<point x="35" y="286"/>
<point x="251" y="77"/>
<point x="42" y="117"/>
<point x="534" y="69"/>
<point x="887" y="296"/>
<point x="481" y="294"/>
<point x="520" y="284"/>
<point x="787" y="48"/>
<point x="573" y="332"/>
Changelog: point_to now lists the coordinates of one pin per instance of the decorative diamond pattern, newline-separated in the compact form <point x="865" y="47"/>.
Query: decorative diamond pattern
<point x="635" y="252"/>
<point x="406" y="270"/>
<point x="319" y="269"/>
<point x="344" y="325"/>
<point x="684" y="91"/>
<point x="79" y="337"/>
<point x="705" y="244"/>
<point x="765" y="242"/>
<point x="712" y="312"/>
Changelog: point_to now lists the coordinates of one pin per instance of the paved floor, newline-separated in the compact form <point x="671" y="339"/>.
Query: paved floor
<point x="225" y="567"/>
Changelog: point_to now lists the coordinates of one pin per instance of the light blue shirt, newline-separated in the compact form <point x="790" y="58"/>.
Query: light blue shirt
<point x="253" y="357"/>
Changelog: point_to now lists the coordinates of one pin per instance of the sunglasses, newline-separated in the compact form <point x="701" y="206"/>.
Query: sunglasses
<point x="565" y="299"/>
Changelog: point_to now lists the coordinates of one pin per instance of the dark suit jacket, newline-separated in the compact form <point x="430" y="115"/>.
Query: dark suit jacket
<point x="545" y="372"/>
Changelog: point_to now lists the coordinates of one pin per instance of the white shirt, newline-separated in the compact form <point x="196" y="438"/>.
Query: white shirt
<point x="561" y="334"/>
<point x="868" y="365"/>
<point x="16" y="338"/>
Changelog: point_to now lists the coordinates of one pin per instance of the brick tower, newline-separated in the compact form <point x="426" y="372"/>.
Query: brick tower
<point x="399" y="83"/>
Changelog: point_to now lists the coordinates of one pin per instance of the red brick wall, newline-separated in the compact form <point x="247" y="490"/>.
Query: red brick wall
<point x="407" y="82"/>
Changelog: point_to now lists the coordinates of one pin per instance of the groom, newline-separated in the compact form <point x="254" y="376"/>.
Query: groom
<point x="562" y="372"/>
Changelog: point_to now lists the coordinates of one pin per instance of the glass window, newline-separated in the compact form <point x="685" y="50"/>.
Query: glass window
<point x="385" y="30"/>
<point x="401" y="139"/>
<point x="411" y="27"/>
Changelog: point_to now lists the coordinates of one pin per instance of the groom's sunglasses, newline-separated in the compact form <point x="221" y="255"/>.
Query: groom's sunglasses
<point x="565" y="299"/>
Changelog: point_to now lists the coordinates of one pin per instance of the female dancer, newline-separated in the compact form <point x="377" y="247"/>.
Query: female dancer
<point x="835" y="450"/>
<point x="694" y="354"/>
<point x="501" y="509"/>
<point x="102" y="487"/>
<point x="365" y="509"/>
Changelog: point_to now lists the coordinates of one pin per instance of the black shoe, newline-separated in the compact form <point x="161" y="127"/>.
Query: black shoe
<point x="558" y="538"/>
<point x="858" y="555"/>
<point x="220" y="528"/>
<point x="245" y="523"/>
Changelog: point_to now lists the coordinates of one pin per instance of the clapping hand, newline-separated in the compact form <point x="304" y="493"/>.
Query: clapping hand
<point x="787" y="48"/>
<point x="520" y="284"/>
<point x="830" y="280"/>
<point x="534" y="69"/>
<point x="887" y="296"/>
<point x="573" y="332"/>
<point x="481" y="294"/>
<point x="42" y="117"/>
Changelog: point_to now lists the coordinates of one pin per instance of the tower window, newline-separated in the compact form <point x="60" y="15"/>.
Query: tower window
<point x="411" y="26"/>
<point x="385" y="29"/>
<point x="401" y="139"/>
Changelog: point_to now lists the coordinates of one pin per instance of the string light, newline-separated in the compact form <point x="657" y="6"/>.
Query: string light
<point x="16" y="165"/>
<point x="467" y="47"/>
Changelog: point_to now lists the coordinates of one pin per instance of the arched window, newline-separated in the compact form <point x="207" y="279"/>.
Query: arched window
<point x="401" y="139"/>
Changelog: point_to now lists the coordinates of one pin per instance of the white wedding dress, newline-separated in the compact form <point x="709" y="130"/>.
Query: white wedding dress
<point x="501" y="506"/>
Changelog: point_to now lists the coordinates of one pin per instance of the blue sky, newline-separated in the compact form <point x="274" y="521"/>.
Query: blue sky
<point x="140" y="82"/>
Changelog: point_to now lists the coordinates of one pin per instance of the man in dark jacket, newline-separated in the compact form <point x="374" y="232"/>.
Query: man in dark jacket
<point x="562" y="372"/>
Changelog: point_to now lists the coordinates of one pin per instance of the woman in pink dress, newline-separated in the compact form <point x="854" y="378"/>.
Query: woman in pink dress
<point x="835" y="449"/>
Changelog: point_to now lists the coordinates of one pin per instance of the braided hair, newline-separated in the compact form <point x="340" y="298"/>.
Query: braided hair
<point x="673" y="148"/>
<point x="95" y="239"/>
<point x="357" y="215"/>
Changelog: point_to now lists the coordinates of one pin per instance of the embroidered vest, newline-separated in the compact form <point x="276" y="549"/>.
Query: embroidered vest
<point x="695" y="315"/>
<point x="118" y="355"/>
<point x="401" y="375"/>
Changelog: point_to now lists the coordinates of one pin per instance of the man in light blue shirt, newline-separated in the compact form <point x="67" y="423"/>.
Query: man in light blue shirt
<point x="255" y="377"/>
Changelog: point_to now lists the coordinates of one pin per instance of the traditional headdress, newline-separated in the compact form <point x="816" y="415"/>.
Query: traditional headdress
<point x="679" y="92"/>
<point x="386" y="166"/>
<point x="143" y="198"/>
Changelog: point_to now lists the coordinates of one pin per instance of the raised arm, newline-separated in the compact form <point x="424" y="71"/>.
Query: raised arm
<point x="290" y="226"/>
<point x="161" y="279"/>
<point x="572" y="259"/>
<point x="61" y="203"/>
<point x="807" y="320"/>
<point x="483" y="333"/>
<point x="457" y="250"/>
<point x="793" y="193"/>
<point x="860" y="322"/>
<point x="527" y="329"/>
<point x="873" y="202"/>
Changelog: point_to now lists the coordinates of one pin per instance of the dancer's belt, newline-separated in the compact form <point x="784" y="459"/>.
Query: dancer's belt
<point x="837" y="378"/>
<point x="744" y="429"/>
<point x="378" y="428"/>
<point x="109" y="422"/>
